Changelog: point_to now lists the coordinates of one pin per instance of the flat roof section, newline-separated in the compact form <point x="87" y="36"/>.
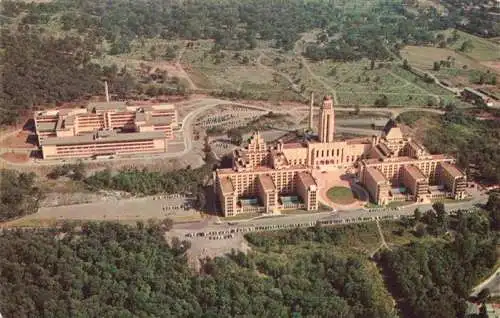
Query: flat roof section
<point x="158" y="120"/>
<point x="267" y="182"/>
<point x="226" y="185"/>
<point x="405" y="159"/>
<point x="376" y="175"/>
<point x="105" y="106"/>
<point x="414" y="172"/>
<point x="451" y="169"/>
<point x="294" y="145"/>
<point x="85" y="139"/>
<point x="48" y="126"/>
<point x="307" y="179"/>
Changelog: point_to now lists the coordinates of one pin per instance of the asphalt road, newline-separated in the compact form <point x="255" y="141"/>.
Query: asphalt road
<point x="351" y="216"/>
<point x="205" y="104"/>
<point x="492" y="283"/>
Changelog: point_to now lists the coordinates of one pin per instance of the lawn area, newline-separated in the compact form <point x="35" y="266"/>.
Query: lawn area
<point x="482" y="50"/>
<point x="410" y="118"/>
<point x="423" y="57"/>
<point x="396" y="204"/>
<point x="341" y="195"/>
<point x="242" y="216"/>
<point x="371" y="205"/>
<point x="449" y="200"/>
<point x="459" y="70"/>
<point x="297" y="212"/>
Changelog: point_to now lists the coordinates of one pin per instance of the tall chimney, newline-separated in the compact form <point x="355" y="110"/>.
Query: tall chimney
<point x="311" y="112"/>
<point x="106" y="91"/>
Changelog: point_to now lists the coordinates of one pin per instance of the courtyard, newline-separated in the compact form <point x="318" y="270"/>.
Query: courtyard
<point x="339" y="190"/>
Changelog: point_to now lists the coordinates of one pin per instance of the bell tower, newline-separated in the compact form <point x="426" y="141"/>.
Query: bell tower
<point x="326" y="130"/>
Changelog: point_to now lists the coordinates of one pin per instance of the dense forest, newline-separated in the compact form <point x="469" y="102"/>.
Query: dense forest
<point x="111" y="270"/>
<point x="149" y="182"/>
<point x="107" y="269"/>
<point x="472" y="141"/>
<point x="433" y="278"/>
<point x="19" y="194"/>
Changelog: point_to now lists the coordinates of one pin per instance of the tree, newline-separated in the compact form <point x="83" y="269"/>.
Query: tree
<point x="417" y="214"/>
<point x="437" y="66"/>
<point x="430" y="101"/>
<point x="439" y="207"/>
<point x="483" y="295"/>
<point x="382" y="101"/>
<point x="78" y="171"/>
<point x="170" y="53"/>
<point x="356" y="109"/>
<point x="235" y="136"/>
<point x="201" y="199"/>
<point x="420" y="230"/>
<point x="493" y="206"/>
<point x="466" y="46"/>
<point x="167" y="224"/>
<point x="20" y="195"/>
<point x="406" y="65"/>
<point x="405" y="221"/>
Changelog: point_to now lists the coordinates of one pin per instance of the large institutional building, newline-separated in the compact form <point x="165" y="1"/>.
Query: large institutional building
<point x="391" y="167"/>
<point x="105" y="129"/>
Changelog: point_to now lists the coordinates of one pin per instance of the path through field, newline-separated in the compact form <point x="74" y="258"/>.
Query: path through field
<point x="305" y="63"/>
<point x="181" y="70"/>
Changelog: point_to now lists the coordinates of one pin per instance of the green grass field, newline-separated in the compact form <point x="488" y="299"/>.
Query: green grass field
<point x="424" y="57"/>
<point x="458" y="72"/>
<point x="267" y="73"/>
<point x="340" y="195"/>
<point x="483" y="49"/>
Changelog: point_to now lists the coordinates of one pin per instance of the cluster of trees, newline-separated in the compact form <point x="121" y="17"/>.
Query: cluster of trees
<point x="473" y="142"/>
<point x="233" y="25"/>
<point x="479" y="77"/>
<point x="493" y="208"/>
<point x="108" y="269"/>
<point x="19" y="195"/>
<point x="477" y="16"/>
<point x="377" y="33"/>
<point x="434" y="279"/>
<point x="317" y="234"/>
<point x="37" y="69"/>
<point x="146" y="182"/>
<point x="381" y="101"/>
<point x="73" y="171"/>
<point x="449" y="62"/>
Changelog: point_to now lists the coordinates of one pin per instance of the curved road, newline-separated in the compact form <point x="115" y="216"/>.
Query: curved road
<point x="205" y="104"/>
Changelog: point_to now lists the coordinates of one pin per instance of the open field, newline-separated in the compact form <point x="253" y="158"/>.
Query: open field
<point x="22" y="139"/>
<point x="460" y="71"/>
<point x="482" y="50"/>
<point x="15" y="157"/>
<point x="423" y="58"/>
<point x="266" y="73"/>
<point x="232" y="71"/>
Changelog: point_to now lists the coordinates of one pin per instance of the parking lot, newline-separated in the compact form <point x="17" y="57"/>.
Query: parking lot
<point x="177" y="207"/>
